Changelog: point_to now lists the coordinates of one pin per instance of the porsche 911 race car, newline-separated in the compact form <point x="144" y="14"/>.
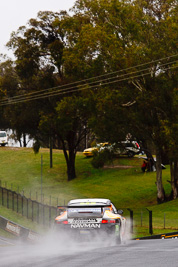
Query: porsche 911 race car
<point x="94" y="217"/>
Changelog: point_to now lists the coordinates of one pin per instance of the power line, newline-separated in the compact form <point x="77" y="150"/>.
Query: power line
<point x="38" y="93"/>
<point x="26" y="97"/>
<point x="67" y="90"/>
<point x="96" y="77"/>
<point x="75" y="90"/>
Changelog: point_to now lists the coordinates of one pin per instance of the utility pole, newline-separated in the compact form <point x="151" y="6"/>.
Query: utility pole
<point x="41" y="178"/>
<point x="51" y="151"/>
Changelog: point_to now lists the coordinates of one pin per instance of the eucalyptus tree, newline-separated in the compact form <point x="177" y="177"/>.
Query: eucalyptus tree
<point x="101" y="37"/>
<point x="8" y="87"/>
<point x="39" y="49"/>
<point x="156" y="92"/>
<point x="127" y="34"/>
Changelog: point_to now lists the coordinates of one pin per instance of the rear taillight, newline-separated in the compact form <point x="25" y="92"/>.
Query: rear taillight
<point x="108" y="221"/>
<point x="63" y="222"/>
<point x="112" y="221"/>
<point x="104" y="221"/>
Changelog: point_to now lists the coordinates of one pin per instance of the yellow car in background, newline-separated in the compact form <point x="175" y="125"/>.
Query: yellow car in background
<point x="88" y="152"/>
<point x="124" y="148"/>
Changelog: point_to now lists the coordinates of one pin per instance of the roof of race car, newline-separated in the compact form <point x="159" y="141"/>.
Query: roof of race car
<point x="89" y="201"/>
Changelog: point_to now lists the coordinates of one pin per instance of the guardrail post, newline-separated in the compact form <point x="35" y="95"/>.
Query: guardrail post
<point x="22" y="204"/>
<point x="27" y="208"/>
<point x="131" y="220"/>
<point x="2" y="196"/>
<point x="17" y="203"/>
<point x="150" y="222"/>
<point x="38" y="212"/>
<point x="12" y="200"/>
<point x="32" y="211"/>
<point x="7" y="198"/>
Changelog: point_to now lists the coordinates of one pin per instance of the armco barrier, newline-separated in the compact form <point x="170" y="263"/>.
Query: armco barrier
<point x="160" y="236"/>
<point x="18" y="230"/>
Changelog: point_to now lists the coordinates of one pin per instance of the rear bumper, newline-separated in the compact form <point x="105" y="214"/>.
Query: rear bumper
<point x="90" y="230"/>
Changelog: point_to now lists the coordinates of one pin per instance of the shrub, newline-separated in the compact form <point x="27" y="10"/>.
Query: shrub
<point x="100" y="158"/>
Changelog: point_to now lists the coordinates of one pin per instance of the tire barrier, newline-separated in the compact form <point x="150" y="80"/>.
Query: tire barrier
<point x="18" y="230"/>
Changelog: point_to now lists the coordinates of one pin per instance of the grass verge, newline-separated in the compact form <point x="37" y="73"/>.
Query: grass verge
<point x="122" y="182"/>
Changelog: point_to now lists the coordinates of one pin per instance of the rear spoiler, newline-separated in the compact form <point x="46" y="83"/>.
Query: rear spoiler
<point x="83" y="206"/>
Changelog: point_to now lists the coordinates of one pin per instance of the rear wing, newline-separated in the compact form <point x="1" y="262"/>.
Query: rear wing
<point x="83" y="206"/>
<point x="88" y="211"/>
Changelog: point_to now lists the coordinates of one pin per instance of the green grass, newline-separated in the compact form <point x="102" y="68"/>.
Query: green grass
<point x="21" y="220"/>
<point x="127" y="187"/>
<point x="7" y="234"/>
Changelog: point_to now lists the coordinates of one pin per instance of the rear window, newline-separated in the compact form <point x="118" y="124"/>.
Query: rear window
<point x="2" y="134"/>
<point x="90" y="212"/>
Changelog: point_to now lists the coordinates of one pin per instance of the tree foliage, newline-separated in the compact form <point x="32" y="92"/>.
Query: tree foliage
<point x="134" y="41"/>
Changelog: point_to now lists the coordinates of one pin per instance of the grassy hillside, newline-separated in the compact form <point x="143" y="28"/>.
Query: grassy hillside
<point x="122" y="182"/>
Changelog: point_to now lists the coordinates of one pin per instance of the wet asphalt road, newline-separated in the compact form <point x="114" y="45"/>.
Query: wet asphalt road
<point x="140" y="253"/>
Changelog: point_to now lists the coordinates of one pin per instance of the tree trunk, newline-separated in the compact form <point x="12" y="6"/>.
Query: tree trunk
<point x="70" y="160"/>
<point x="24" y="140"/>
<point x="164" y="157"/>
<point x="71" y="168"/>
<point x="174" y="179"/>
<point x="20" y="142"/>
<point x="159" y="183"/>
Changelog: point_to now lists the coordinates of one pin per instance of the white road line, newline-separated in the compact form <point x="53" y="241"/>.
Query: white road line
<point x="5" y="241"/>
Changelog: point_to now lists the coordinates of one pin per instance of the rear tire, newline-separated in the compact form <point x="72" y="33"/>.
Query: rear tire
<point x="117" y="234"/>
<point x="118" y="240"/>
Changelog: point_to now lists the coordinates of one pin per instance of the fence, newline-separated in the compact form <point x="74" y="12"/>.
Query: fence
<point x="32" y="209"/>
<point x="32" y="194"/>
<point x="155" y="221"/>
<point x="142" y="220"/>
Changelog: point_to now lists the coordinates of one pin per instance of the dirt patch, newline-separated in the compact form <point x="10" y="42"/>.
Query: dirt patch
<point x="118" y="167"/>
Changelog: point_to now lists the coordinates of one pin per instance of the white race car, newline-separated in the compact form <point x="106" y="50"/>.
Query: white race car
<point x="92" y="217"/>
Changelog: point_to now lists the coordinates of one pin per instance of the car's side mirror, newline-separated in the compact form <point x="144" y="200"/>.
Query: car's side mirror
<point x="120" y="212"/>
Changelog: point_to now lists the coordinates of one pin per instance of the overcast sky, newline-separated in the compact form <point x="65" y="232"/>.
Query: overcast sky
<point x="16" y="13"/>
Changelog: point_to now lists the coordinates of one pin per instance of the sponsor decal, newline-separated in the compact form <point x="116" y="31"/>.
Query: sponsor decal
<point x="86" y="225"/>
<point x="89" y="210"/>
<point x="13" y="228"/>
<point x="78" y="220"/>
<point x="87" y="203"/>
